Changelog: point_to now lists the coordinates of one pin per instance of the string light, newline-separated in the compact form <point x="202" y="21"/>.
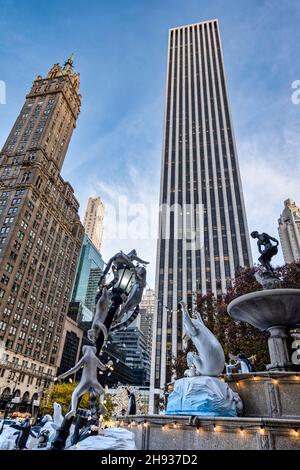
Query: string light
<point x="254" y="377"/>
<point x="198" y="428"/>
<point x="275" y="381"/>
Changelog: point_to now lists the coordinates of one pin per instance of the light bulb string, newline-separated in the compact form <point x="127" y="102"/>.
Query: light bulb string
<point x="243" y="427"/>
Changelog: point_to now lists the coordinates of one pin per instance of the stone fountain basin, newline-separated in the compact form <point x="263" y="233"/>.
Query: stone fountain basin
<point x="267" y="308"/>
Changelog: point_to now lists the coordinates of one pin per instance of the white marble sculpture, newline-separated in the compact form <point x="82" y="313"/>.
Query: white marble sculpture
<point x="210" y="359"/>
<point x="57" y="414"/>
<point x="109" y="439"/>
<point x="88" y="382"/>
<point x="201" y="392"/>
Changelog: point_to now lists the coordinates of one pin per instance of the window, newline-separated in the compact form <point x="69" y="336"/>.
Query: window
<point x="5" y="230"/>
<point x="5" y="279"/>
<point x="17" y="245"/>
<point x="6" y="312"/>
<point x="8" y="220"/>
<point x="16" y="201"/>
<point x="5" y="193"/>
<point x="12" y="210"/>
<point x="24" y="224"/>
<point x="12" y="330"/>
<point x="9" y="267"/>
<point x="27" y="215"/>
<point x="21" y="235"/>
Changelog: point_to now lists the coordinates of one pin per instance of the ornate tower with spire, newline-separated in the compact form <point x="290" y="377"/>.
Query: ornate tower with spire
<point x="40" y="229"/>
<point x="47" y="120"/>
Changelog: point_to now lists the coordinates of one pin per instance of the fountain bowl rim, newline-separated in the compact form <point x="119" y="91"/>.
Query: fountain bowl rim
<point x="262" y="293"/>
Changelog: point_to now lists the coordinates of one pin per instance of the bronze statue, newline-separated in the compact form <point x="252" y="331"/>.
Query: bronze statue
<point x="264" y="241"/>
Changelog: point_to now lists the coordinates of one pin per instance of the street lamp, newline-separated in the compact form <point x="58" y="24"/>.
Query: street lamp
<point x="125" y="276"/>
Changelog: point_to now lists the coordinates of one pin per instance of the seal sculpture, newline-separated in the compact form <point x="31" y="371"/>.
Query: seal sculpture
<point x="210" y="359"/>
<point x="201" y="392"/>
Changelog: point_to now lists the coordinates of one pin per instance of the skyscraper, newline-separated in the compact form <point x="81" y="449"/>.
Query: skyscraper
<point x="131" y="342"/>
<point x="144" y="319"/>
<point x="289" y="231"/>
<point x="89" y="269"/>
<point x="203" y="234"/>
<point x="93" y="221"/>
<point x="40" y="231"/>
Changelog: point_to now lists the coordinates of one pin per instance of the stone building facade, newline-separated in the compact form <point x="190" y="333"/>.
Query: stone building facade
<point x="93" y="221"/>
<point x="289" y="231"/>
<point x="40" y="233"/>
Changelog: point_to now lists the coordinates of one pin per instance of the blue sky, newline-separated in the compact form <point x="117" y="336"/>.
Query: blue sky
<point x="120" y="51"/>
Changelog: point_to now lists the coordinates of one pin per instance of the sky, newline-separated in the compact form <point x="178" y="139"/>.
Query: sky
<point x="120" y="49"/>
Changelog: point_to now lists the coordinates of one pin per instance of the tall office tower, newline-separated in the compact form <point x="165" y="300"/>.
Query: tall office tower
<point x="131" y="342"/>
<point x="289" y="231"/>
<point x="203" y="234"/>
<point x="93" y="221"/>
<point x="144" y="319"/>
<point x="89" y="270"/>
<point x="40" y="231"/>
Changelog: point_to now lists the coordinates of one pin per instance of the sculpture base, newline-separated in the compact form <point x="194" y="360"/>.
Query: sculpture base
<point x="203" y="396"/>
<point x="267" y="280"/>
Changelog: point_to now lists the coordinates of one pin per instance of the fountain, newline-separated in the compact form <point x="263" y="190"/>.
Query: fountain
<point x="203" y="415"/>
<point x="276" y="311"/>
<point x="273" y="309"/>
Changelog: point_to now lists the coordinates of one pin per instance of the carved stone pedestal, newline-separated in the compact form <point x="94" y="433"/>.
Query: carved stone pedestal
<point x="278" y="349"/>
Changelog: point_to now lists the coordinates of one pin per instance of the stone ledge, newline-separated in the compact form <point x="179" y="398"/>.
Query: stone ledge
<point x="159" y="432"/>
<point x="268" y="394"/>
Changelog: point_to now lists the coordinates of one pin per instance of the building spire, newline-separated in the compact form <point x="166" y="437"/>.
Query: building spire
<point x="68" y="65"/>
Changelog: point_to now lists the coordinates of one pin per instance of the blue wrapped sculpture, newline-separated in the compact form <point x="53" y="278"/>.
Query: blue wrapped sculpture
<point x="201" y="392"/>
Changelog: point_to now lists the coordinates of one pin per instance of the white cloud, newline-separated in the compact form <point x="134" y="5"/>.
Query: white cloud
<point x="129" y="205"/>
<point x="270" y="174"/>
